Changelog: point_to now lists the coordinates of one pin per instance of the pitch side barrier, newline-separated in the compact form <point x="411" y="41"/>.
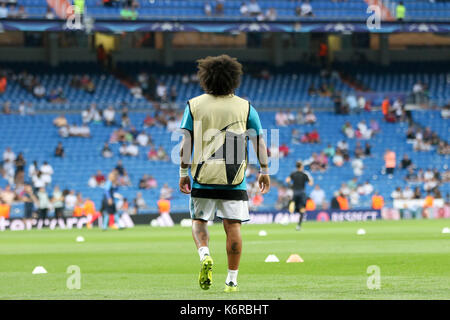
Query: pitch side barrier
<point x="129" y="221"/>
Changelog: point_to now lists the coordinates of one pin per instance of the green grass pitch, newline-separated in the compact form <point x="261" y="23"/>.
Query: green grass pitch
<point x="156" y="263"/>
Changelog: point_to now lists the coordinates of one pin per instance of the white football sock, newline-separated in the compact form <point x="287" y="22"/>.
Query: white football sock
<point x="232" y="276"/>
<point x="202" y="252"/>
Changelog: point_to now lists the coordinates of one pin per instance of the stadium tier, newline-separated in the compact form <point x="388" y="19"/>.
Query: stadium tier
<point x="36" y="136"/>
<point x="285" y="9"/>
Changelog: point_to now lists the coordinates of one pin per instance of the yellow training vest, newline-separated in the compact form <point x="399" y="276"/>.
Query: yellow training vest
<point x="220" y="141"/>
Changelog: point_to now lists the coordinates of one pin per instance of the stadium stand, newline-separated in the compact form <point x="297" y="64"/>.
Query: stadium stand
<point x="36" y="136"/>
<point x="285" y="9"/>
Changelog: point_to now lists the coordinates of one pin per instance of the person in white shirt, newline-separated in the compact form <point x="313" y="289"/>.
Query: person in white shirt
<point x="407" y="193"/>
<point x="271" y="14"/>
<point x="70" y="201"/>
<point x="354" y="198"/>
<point x="3" y="11"/>
<point x="318" y="196"/>
<point x="343" y="145"/>
<point x="396" y="194"/>
<point x="166" y="192"/>
<point x="142" y="139"/>
<point x="132" y="150"/>
<point x="38" y="180"/>
<point x="358" y="166"/>
<point x="92" y="183"/>
<point x="364" y="130"/>
<point x="368" y="188"/>
<point x="161" y="90"/>
<point x="306" y="9"/>
<point x="338" y="159"/>
<point x="39" y="91"/>
<point x="108" y="115"/>
<point x="281" y="118"/>
<point x="254" y="8"/>
<point x="345" y="190"/>
<point x="9" y="155"/>
<point x="244" y="9"/>
<point x="47" y="172"/>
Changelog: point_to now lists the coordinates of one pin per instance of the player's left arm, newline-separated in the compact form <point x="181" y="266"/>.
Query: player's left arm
<point x="259" y="145"/>
<point x="186" y="151"/>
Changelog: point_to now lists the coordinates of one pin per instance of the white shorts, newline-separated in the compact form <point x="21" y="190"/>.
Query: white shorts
<point x="207" y="209"/>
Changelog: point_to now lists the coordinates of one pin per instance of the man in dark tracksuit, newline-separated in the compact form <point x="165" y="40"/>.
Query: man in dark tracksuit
<point x="298" y="180"/>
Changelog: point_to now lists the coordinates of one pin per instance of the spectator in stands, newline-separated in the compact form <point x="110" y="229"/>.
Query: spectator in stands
<point x="59" y="150"/>
<point x="6" y="108"/>
<point x="348" y="130"/>
<point x="165" y="192"/>
<point x="3" y="81"/>
<point x="253" y="8"/>
<point x="128" y="13"/>
<point x="162" y="154"/>
<point x="207" y="8"/>
<point x="400" y="11"/>
<point x="306" y="9"/>
<point x="4" y="12"/>
<point x="284" y="197"/>
<point x="407" y="193"/>
<point x="389" y="162"/>
<point x="367" y="150"/>
<point x="367" y="188"/>
<point x="338" y="159"/>
<point x="161" y="91"/>
<point x="39" y="91"/>
<point x="109" y="115"/>
<point x="130" y="149"/>
<point x="139" y="203"/>
<point x="377" y="201"/>
<point x="244" y="10"/>
<point x="99" y="178"/>
<point x="9" y="155"/>
<point x="281" y="118"/>
<point x="443" y="148"/>
<point x="91" y="114"/>
<point x="397" y="194"/>
<point x="47" y="171"/>
<point x="152" y="154"/>
<point x="329" y="151"/>
<point x="310" y="117"/>
<point x="318" y="196"/>
<point x="359" y="151"/>
<point x="49" y="14"/>
<point x="92" y="183"/>
<point x="106" y="151"/>
<point x="352" y="103"/>
<point x="220" y="7"/>
<point x="406" y="162"/>
<point x="417" y="193"/>
<point x="295" y="136"/>
<point x="271" y="14"/>
<point x="363" y="131"/>
<point x="284" y="150"/>
<point x="358" y="166"/>
<point x="60" y="121"/>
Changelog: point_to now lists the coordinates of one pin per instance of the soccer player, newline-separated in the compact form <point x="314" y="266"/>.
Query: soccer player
<point x="298" y="180"/>
<point x="108" y="204"/>
<point x="217" y="126"/>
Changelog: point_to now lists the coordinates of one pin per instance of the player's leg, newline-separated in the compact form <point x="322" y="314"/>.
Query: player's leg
<point x="300" y="204"/>
<point x="202" y="210"/>
<point x="234" y="249"/>
<point x="233" y="213"/>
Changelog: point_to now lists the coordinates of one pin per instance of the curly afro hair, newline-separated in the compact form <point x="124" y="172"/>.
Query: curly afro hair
<point x="219" y="75"/>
